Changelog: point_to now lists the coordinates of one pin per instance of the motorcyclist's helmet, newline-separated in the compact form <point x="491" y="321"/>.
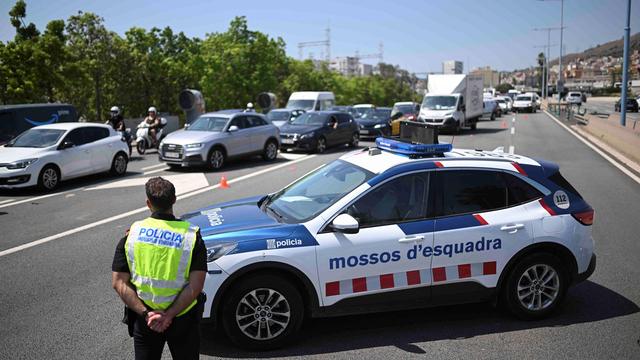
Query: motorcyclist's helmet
<point x="249" y="107"/>
<point x="152" y="110"/>
<point x="115" y="111"/>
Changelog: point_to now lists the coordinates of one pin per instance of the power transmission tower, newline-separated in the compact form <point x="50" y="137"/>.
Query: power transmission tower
<point x="326" y="43"/>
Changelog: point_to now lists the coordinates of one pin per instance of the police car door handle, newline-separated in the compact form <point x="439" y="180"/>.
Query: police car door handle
<point x="407" y="239"/>
<point x="512" y="228"/>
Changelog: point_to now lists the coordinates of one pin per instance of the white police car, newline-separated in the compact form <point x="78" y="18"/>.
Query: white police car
<point x="398" y="226"/>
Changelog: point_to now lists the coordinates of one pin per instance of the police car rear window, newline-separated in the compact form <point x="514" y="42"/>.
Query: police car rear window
<point x="520" y="192"/>
<point x="467" y="191"/>
<point x="559" y="180"/>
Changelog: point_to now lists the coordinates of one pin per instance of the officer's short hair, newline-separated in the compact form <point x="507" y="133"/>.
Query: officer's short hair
<point x="161" y="193"/>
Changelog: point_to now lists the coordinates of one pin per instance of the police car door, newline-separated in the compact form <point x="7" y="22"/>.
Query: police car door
<point x="482" y="221"/>
<point x="383" y="256"/>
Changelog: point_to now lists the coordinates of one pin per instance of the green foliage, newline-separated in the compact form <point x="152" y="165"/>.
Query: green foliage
<point x="81" y="62"/>
<point x="504" y="88"/>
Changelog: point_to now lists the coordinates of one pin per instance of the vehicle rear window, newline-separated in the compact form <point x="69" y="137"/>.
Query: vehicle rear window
<point x="559" y="180"/>
<point x="467" y="191"/>
<point x="519" y="191"/>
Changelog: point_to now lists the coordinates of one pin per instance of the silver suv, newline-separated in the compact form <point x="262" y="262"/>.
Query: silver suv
<point x="215" y="137"/>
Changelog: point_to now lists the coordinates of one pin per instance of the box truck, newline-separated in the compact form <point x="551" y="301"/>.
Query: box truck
<point x="452" y="102"/>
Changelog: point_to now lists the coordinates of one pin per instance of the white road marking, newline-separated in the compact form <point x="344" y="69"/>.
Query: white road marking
<point x="514" y="119"/>
<point x="512" y="149"/>
<point x="513" y="131"/>
<point x="6" y="201"/>
<point x="291" y="156"/>
<point x="598" y="151"/>
<point x="183" y="183"/>
<point x="69" y="195"/>
<point x="153" y="166"/>
<point x="142" y="209"/>
<point x="37" y="198"/>
<point x="155" y="171"/>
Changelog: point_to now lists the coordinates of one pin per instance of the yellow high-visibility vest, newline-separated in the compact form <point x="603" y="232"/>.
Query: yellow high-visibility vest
<point x="159" y="256"/>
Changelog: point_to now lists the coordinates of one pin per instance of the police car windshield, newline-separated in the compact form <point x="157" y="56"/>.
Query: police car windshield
<point x="208" y="123"/>
<point x="315" y="192"/>
<point x="37" y="138"/>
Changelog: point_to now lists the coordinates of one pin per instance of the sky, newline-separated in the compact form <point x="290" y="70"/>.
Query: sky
<point x="417" y="35"/>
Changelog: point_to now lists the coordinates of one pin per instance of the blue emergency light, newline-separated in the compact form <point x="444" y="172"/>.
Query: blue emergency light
<point x="411" y="149"/>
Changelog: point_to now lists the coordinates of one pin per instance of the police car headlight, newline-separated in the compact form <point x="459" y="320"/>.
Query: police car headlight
<point x="217" y="251"/>
<point x="306" y="136"/>
<point x="21" y="164"/>
<point x="194" y="146"/>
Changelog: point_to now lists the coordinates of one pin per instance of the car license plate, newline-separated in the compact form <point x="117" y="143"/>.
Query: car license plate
<point x="364" y="131"/>
<point x="286" y="141"/>
<point x="173" y="155"/>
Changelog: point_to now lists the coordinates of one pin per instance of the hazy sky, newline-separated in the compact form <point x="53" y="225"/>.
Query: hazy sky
<point x="417" y="35"/>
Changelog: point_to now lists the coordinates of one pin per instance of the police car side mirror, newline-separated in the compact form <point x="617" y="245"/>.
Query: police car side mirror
<point x="345" y="223"/>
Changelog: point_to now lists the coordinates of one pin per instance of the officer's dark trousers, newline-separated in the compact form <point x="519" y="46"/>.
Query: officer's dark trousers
<point x="182" y="336"/>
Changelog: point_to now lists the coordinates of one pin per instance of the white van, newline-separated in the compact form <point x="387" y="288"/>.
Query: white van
<point x="311" y="100"/>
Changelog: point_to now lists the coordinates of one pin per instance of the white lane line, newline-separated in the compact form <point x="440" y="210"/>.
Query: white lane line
<point x="598" y="151"/>
<point x="513" y="131"/>
<point x="183" y="183"/>
<point x="6" y="201"/>
<point x="512" y="149"/>
<point x="153" y="167"/>
<point x="142" y="209"/>
<point x="155" y="171"/>
<point x="513" y="120"/>
<point x="37" y="198"/>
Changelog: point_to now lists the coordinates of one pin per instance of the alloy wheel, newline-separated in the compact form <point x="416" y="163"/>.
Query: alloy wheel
<point x="538" y="287"/>
<point x="263" y="314"/>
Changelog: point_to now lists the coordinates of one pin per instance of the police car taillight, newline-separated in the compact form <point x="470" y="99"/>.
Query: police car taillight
<point x="584" y="217"/>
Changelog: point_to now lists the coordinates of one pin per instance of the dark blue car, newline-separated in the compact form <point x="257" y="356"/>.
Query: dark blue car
<point x="318" y="130"/>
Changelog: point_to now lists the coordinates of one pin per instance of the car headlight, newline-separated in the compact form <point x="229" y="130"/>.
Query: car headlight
<point x="194" y="146"/>
<point x="379" y="126"/>
<point x="217" y="251"/>
<point x="21" y="164"/>
<point x="307" y="136"/>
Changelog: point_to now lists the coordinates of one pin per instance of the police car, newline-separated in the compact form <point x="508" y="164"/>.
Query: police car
<point x="394" y="227"/>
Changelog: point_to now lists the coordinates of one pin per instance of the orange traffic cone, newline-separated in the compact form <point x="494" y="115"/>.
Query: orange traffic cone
<point x="223" y="183"/>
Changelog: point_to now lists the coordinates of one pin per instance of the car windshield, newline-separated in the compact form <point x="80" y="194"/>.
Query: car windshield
<point x="378" y="114"/>
<point x="309" y="119"/>
<point x="439" y="102"/>
<point x="301" y="104"/>
<point x="316" y="191"/>
<point x="208" y="123"/>
<point x="278" y="115"/>
<point x="37" y="138"/>
<point x="404" y="109"/>
<point x="523" y="98"/>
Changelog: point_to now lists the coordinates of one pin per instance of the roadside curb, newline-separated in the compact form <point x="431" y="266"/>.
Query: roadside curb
<point x="624" y="164"/>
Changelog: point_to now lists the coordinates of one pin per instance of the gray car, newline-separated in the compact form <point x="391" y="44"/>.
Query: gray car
<point x="216" y="137"/>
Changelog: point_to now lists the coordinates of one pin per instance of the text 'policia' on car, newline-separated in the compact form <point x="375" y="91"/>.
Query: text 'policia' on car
<point x="402" y="225"/>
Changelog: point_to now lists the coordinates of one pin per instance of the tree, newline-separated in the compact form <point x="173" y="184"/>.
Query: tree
<point x="16" y="16"/>
<point x="504" y="88"/>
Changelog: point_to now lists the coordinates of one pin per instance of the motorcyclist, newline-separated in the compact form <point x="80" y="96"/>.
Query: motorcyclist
<point x="154" y="122"/>
<point x="115" y="119"/>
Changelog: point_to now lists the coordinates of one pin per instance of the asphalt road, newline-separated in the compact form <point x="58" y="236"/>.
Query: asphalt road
<point x="607" y="106"/>
<point x="57" y="302"/>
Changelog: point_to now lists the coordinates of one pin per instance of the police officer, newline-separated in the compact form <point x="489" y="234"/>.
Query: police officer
<point x="158" y="272"/>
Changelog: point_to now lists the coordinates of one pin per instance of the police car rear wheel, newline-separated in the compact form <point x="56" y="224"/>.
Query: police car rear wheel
<point x="536" y="286"/>
<point x="263" y="312"/>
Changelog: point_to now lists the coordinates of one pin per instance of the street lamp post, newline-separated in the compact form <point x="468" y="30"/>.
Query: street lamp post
<point x="625" y="68"/>
<point x="560" y="84"/>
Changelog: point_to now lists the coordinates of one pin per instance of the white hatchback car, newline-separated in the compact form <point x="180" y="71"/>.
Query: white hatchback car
<point x="47" y="154"/>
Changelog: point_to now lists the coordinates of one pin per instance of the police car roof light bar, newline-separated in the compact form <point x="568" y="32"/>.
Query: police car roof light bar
<point x="412" y="150"/>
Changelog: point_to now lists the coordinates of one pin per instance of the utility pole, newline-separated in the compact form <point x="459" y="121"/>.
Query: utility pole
<point x="547" y="55"/>
<point x="625" y="68"/>
<point x="560" y="83"/>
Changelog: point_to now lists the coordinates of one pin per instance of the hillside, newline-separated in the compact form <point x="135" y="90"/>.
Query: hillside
<point x="612" y="48"/>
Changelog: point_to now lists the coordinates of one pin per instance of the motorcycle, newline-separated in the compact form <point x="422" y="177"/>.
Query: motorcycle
<point x="126" y="137"/>
<point x="143" y="139"/>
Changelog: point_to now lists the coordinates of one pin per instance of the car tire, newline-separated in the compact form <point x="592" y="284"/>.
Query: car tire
<point x="216" y="158"/>
<point x="119" y="164"/>
<point x="174" y="166"/>
<point x="321" y="145"/>
<point x="49" y="178"/>
<point x="355" y="139"/>
<point x="262" y="312"/>
<point x="141" y="147"/>
<point x="536" y="286"/>
<point x="474" y="126"/>
<point x="270" y="151"/>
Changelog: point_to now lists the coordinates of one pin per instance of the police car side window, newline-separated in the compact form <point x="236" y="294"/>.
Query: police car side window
<point x="398" y="200"/>
<point x="519" y="191"/>
<point x="468" y="191"/>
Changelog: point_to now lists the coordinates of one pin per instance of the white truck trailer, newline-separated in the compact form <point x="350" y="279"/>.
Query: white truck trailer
<point x="452" y="102"/>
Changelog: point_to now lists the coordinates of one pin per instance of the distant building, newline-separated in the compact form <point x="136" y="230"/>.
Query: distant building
<point x="490" y="78"/>
<point x="452" y="67"/>
<point x="365" y="69"/>
<point x="347" y="66"/>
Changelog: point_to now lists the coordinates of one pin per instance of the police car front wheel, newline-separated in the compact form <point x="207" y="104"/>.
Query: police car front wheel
<point x="536" y="286"/>
<point x="263" y="312"/>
